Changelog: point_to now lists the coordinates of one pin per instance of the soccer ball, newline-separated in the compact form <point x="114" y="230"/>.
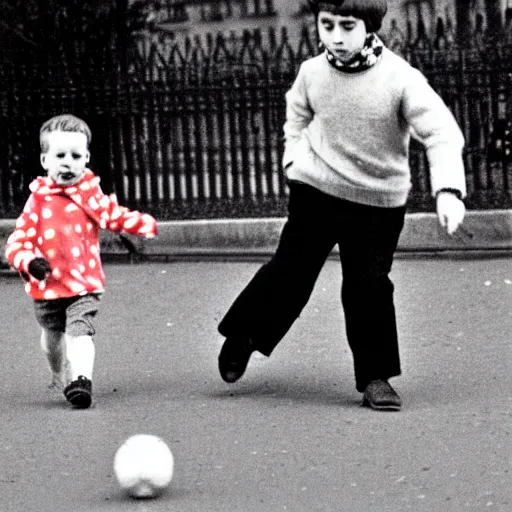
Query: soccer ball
<point x="143" y="466"/>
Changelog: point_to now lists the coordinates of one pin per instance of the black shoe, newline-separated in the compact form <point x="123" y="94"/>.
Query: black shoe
<point x="79" y="392"/>
<point x="379" y="395"/>
<point x="234" y="357"/>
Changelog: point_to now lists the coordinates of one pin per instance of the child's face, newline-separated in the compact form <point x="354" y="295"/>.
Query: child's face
<point x="343" y="36"/>
<point x="66" y="157"/>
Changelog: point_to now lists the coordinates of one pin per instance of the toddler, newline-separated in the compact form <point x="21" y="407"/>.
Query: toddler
<point x="55" y="248"/>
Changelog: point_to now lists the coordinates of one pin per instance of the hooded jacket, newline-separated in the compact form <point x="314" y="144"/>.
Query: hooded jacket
<point x="62" y="224"/>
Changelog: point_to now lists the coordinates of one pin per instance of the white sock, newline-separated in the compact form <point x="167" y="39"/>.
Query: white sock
<point x="80" y="352"/>
<point x="54" y="346"/>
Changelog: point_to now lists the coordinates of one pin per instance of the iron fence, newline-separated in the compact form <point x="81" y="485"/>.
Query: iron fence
<point x="193" y="128"/>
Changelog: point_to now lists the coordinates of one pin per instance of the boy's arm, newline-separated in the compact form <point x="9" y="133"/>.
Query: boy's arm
<point x="298" y="116"/>
<point x="20" y="249"/>
<point x="433" y="124"/>
<point x="119" y="218"/>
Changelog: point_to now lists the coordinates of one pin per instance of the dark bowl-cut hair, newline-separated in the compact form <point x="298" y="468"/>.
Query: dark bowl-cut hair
<point x="371" y="12"/>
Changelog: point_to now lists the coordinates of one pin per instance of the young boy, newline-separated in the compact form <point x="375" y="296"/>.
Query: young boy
<point x="55" y="247"/>
<point x="350" y="114"/>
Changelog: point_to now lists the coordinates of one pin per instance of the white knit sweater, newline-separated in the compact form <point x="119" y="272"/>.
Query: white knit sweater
<point x="348" y="134"/>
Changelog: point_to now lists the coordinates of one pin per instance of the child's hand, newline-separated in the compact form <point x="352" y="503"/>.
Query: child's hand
<point x="38" y="268"/>
<point x="450" y="211"/>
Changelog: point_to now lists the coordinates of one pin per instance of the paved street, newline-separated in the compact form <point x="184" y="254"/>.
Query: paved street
<point x="291" y="435"/>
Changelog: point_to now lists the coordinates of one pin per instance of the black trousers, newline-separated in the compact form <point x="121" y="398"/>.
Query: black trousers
<point x="367" y="237"/>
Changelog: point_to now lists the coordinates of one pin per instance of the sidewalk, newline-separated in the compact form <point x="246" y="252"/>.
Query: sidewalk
<point x="488" y="231"/>
<point x="291" y="435"/>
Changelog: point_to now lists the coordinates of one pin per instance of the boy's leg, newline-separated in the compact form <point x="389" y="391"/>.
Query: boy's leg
<point x="367" y="247"/>
<point x="270" y="303"/>
<point x="81" y="355"/>
<point x="53" y="344"/>
<point x="79" y="332"/>
<point x="51" y="316"/>
<point x="80" y="348"/>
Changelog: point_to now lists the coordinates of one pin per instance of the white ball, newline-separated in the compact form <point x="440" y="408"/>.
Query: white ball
<point x="143" y="466"/>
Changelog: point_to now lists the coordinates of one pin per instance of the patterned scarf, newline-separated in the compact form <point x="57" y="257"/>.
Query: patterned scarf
<point x="366" y="58"/>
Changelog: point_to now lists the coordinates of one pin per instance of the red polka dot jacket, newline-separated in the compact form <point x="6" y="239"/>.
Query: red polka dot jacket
<point x="62" y="224"/>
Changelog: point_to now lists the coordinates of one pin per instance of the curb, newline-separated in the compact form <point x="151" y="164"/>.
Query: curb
<point x="487" y="231"/>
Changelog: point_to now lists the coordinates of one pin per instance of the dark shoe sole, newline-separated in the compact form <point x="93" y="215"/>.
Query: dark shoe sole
<point x="79" y="393"/>
<point x="79" y="399"/>
<point x="380" y="407"/>
<point x="380" y="396"/>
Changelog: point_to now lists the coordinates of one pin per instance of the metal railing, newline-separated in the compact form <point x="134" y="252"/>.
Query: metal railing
<point x="192" y="128"/>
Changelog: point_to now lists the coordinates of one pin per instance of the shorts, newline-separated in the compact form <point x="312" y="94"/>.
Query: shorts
<point x="72" y="315"/>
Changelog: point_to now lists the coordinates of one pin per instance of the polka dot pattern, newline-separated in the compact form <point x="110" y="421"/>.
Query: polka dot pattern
<point x="62" y="225"/>
<point x="49" y="234"/>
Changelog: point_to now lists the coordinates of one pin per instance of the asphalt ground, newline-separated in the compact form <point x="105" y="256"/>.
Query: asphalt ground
<point x="291" y="434"/>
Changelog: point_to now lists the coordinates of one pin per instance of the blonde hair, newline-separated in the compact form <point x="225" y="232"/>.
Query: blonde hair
<point x="63" y="123"/>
